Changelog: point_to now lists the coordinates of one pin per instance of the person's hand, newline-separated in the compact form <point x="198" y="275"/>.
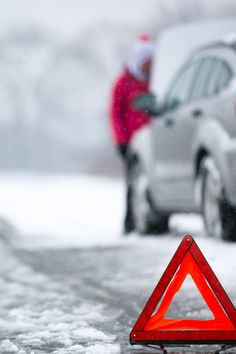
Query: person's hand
<point x="147" y="103"/>
<point x="123" y="149"/>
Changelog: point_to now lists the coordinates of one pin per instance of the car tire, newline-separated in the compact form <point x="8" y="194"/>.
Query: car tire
<point x="219" y="216"/>
<point x="145" y="216"/>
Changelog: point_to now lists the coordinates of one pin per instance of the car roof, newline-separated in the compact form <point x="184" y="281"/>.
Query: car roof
<point x="218" y="44"/>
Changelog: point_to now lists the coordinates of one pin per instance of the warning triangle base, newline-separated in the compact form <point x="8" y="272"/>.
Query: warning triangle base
<point x="152" y="328"/>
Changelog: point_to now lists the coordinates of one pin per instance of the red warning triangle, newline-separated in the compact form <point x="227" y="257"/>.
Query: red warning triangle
<point x="152" y="327"/>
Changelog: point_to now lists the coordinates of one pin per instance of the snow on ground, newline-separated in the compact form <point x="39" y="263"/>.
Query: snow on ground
<point x="50" y="300"/>
<point x="37" y="313"/>
<point x="66" y="210"/>
<point x="63" y="210"/>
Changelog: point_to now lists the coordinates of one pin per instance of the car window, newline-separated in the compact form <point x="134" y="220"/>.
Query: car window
<point x="224" y="77"/>
<point x="202" y="83"/>
<point x="180" y="90"/>
<point x="211" y="89"/>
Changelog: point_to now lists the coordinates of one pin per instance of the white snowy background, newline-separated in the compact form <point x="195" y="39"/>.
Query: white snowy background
<point x="58" y="61"/>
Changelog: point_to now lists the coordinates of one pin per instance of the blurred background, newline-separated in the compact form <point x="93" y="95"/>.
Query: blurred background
<point x="58" y="61"/>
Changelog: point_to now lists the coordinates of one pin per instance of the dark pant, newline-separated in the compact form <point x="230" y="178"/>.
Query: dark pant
<point x="129" y="219"/>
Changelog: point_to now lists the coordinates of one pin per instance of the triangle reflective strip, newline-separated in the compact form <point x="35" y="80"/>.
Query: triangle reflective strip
<point x="153" y="327"/>
<point x="220" y="321"/>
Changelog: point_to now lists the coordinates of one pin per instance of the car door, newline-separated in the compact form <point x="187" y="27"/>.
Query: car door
<point x="167" y="144"/>
<point x="193" y="114"/>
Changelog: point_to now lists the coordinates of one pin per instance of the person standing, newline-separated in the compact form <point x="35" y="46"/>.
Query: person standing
<point x="125" y="118"/>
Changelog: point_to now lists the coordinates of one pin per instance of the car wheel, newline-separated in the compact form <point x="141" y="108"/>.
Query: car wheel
<point x="146" y="219"/>
<point x="219" y="216"/>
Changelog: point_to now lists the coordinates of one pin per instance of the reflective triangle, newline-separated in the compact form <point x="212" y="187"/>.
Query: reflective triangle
<point x="152" y="325"/>
<point x="220" y="321"/>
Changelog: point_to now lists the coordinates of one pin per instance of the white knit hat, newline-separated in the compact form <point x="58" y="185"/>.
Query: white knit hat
<point x="141" y="51"/>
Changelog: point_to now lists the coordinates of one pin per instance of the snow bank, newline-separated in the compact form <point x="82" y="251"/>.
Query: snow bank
<point x="63" y="211"/>
<point x="72" y="211"/>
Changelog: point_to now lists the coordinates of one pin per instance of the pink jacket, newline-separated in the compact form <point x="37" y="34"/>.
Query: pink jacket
<point x="125" y="119"/>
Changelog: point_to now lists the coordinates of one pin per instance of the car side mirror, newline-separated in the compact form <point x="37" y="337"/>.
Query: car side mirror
<point x="147" y="103"/>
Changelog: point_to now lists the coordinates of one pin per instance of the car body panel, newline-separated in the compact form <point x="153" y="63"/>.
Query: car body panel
<point x="170" y="147"/>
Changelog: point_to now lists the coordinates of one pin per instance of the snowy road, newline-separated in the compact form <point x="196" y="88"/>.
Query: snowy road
<point x="86" y="300"/>
<point x="67" y="297"/>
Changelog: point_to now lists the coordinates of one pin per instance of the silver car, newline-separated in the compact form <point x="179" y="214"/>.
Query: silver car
<point x="185" y="161"/>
